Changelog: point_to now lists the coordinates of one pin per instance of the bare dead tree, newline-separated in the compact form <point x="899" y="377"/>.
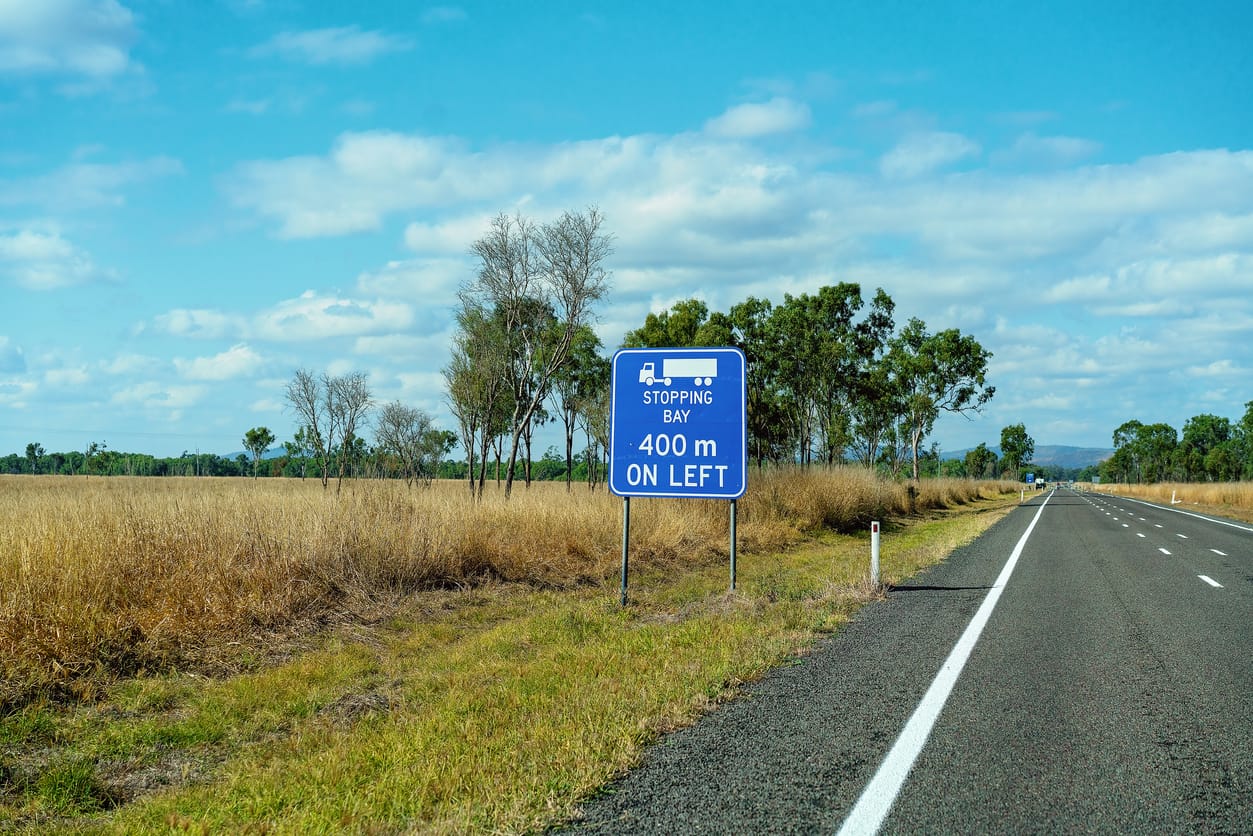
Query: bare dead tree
<point x="402" y="431"/>
<point x="348" y="400"/>
<point x="527" y="274"/>
<point x="331" y="409"/>
<point x="306" y="398"/>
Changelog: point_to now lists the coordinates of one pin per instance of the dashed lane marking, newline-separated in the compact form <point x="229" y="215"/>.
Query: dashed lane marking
<point x="1163" y="551"/>
<point x="1217" y="552"/>
<point x="1197" y="516"/>
<point x="1210" y="581"/>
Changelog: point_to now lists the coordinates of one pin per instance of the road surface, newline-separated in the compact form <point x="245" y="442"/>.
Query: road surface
<point x="1086" y="665"/>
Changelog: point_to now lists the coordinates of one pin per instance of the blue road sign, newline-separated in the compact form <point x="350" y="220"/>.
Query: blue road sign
<point x="678" y="423"/>
<point x="1030" y="478"/>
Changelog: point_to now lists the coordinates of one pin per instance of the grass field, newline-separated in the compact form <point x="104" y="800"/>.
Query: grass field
<point x="225" y="655"/>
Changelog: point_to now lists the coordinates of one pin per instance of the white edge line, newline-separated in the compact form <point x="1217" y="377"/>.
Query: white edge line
<point x="880" y="794"/>
<point x="1190" y="514"/>
<point x="1210" y="581"/>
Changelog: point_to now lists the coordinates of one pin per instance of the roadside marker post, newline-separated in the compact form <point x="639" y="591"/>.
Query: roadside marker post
<point x="678" y="427"/>
<point x="874" y="553"/>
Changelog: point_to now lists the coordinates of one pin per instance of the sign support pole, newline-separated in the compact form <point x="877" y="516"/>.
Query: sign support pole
<point x="626" y="535"/>
<point x="733" y="545"/>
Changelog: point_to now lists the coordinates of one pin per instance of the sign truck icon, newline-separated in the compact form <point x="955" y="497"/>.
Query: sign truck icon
<point x="682" y="432"/>
<point x="700" y="369"/>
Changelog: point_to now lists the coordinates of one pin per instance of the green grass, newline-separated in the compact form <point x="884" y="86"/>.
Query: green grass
<point x="489" y="709"/>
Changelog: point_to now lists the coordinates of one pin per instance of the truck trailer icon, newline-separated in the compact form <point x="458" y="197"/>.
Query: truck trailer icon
<point x="699" y="369"/>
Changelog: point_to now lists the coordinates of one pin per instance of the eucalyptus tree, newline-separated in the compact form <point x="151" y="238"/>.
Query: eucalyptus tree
<point x="34" y="452"/>
<point x="1243" y="432"/>
<point x="593" y="418"/>
<point x="1143" y="452"/>
<point x="935" y="373"/>
<point x="980" y="463"/>
<point x="750" y="322"/>
<point x="300" y="448"/>
<point x="575" y="384"/>
<point x="477" y="386"/>
<point x="1203" y="436"/>
<point x="525" y="273"/>
<point x="822" y="363"/>
<point x="1017" y="448"/>
<point x="258" y="442"/>
<point x="410" y="435"/>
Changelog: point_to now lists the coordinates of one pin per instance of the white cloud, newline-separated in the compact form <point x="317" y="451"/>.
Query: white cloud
<point x="45" y="261"/>
<point x="779" y="115"/>
<point x="129" y="364"/>
<point x="342" y="46"/>
<point x="443" y="14"/>
<point x="86" y="39"/>
<point x="434" y="281"/>
<point x="452" y="236"/>
<point x="153" y="395"/>
<point x="255" y="107"/>
<point x="12" y="358"/>
<point x="1052" y="150"/>
<point x="15" y="393"/>
<point x="311" y="316"/>
<point x="237" y="361"/>
<point x="69" y="377"/>
<point x="923" y="153"/>
<point x="267" y="406"/>
<point x="200" y="323"/>
<point x="1220" y="368"/>
<point x="82" y="185"/>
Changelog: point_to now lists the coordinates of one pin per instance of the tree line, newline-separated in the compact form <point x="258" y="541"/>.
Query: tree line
<point x="826" y="383"/>
<point x="831" y="379"/>
<point x="1210" y="449"/>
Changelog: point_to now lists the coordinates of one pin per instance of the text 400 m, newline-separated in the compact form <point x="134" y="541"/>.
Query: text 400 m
<point x="676" y="445"/>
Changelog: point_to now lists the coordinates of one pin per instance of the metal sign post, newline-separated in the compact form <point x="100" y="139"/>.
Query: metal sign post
<point x="626" y="537"/>
<point x="678" y="427"/>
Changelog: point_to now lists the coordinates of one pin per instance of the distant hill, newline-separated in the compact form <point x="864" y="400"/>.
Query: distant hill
<point x="1059" y="455"/>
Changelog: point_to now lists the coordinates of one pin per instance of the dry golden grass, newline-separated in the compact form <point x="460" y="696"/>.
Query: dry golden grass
<point x="108" y="577"/>
<point x="1232" y="499"/>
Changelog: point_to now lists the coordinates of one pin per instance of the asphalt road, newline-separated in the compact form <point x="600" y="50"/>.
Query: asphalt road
<point x="1107" y="686"/>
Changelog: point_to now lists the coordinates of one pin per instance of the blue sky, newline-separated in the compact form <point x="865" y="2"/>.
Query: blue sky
<point x="198" y="198"/>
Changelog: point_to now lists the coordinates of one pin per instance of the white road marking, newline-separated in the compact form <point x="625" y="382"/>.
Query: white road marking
<point x="880" y="794"/>
<point x="1182" y="536"/>
<point x="1139" y="534"/>
<point x="1190" y="514"/>
<point x="1163" y="551"/>
<point x="1217" y="552"/>
<point x="1210" y="581"/>
<point x="1124" y="525"/>
<point x="1157" y="525"/>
